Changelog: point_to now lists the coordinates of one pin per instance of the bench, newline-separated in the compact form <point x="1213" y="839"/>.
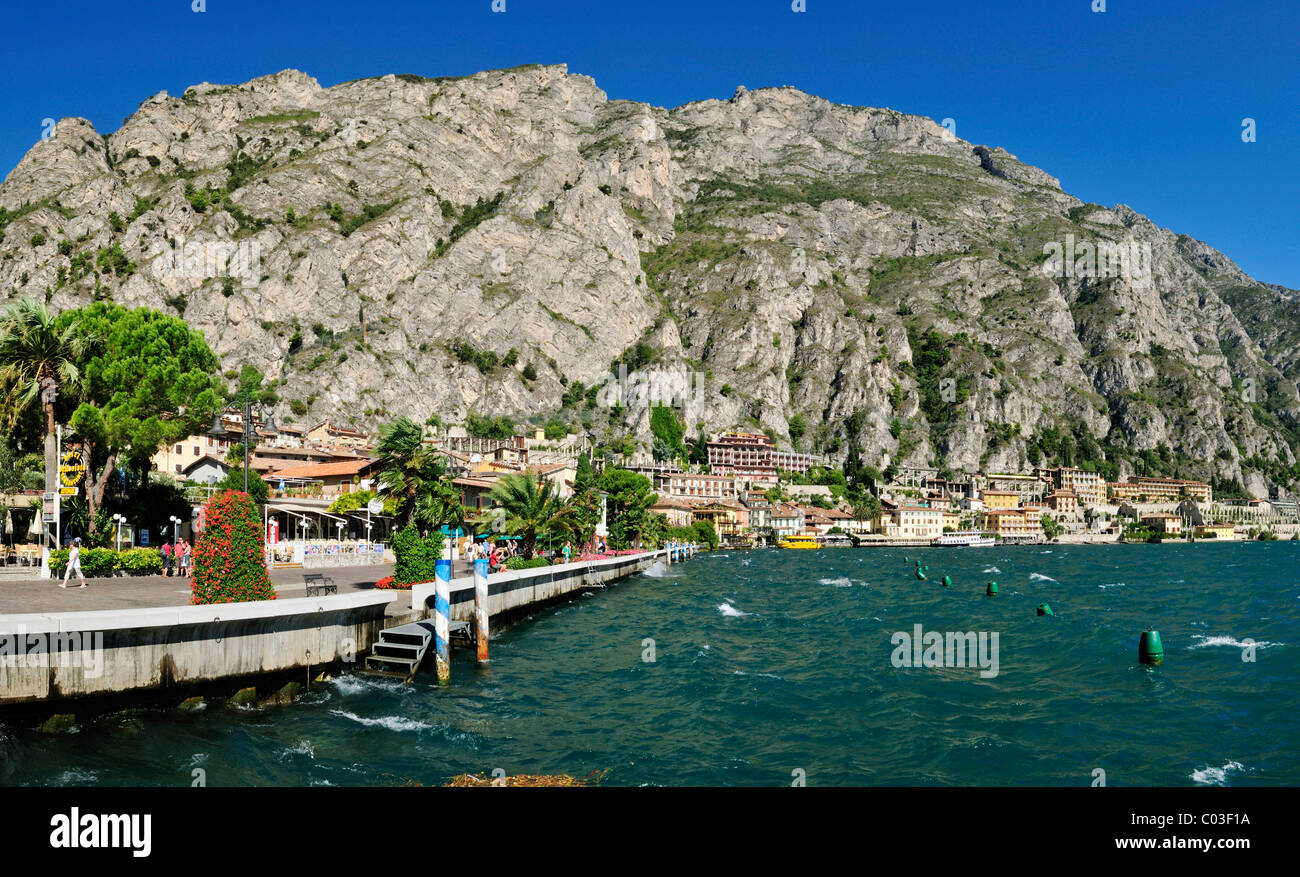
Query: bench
<point x="317" y="582"/>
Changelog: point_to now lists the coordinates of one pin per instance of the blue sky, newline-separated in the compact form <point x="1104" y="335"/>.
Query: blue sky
<point x="1141" y="104"/>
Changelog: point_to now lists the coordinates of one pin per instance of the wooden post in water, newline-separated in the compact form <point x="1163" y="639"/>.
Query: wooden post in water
<point x="442" y="618"/>
<point x="481" y="608"/>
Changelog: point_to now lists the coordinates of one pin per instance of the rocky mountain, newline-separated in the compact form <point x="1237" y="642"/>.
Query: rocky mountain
<point x="833" y="274"/>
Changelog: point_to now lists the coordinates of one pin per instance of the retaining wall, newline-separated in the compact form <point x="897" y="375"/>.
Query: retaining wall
<point x="515" y="589"/>
<point x="66" y="655"/>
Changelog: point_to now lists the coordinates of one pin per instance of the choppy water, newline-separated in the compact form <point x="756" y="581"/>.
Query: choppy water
<point x="771" y="662"/>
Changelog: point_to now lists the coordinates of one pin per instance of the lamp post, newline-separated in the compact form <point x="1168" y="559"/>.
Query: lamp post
<point x="248" y="425"/>
<point x="339" y="526"/>
<point x="176" y="523"/>
<point x="120" y="519"/>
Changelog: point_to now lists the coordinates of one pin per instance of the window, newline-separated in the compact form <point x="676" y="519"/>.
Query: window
<point x="196" y="450"/>
<point x="179" y="450"/>
<point x="178" y="468"/>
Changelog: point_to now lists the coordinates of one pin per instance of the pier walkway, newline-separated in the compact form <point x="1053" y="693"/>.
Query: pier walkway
<point x="24" y="596"/>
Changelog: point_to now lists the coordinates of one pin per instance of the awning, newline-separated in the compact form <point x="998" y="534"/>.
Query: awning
<point x="301" y="510"/>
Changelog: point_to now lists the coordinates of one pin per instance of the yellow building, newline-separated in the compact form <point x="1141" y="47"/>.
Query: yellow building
<point x="1215" y="531"/>
<point x="913" y="522"/>
<point x="951" y="520"/>
<point x="1000" y="499"/>
<point x="1013" y="524"/>
<point x="1163" y="523"/>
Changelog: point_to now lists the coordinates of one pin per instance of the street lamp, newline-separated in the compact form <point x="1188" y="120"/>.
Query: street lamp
<point x="176" y="523"/>
<point x="339" y="526"/>
<point x="120" y="519"/>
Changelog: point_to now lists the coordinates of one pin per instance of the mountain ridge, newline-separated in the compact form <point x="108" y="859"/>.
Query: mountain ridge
<point x="774" y="252"/>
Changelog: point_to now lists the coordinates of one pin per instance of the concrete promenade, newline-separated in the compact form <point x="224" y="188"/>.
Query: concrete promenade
<point x="23" y="596"/>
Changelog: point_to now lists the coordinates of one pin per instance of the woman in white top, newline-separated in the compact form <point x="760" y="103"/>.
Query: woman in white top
<point x="74" y="563"/>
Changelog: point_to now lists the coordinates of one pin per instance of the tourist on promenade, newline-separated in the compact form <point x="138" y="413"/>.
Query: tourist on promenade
<point x="74" y="563"/>
<point x="183" y="553"/>
<point x="568" y="550"/>
<point x="167" y="559"/>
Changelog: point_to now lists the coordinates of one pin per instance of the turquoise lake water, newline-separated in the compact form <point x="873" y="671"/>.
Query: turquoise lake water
<point x="770" y="665"/>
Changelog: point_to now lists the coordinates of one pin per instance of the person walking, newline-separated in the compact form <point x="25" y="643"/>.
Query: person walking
<point x="167" y="559"/>
<point x="568" y="550"/>
<point x="74" y="563"/>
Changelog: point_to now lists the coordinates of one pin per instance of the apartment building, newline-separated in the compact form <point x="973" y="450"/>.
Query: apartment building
<point x="753" y="456"/>
<point x="1089" y="487"/>
<point x="1171" y="524"/>
<point x="1142" y="489"/>
<point x="1000" y="499"/>
<point x="695" y="485"/>
<point x="1013" y="524"/>
<point x="911" y="522"/>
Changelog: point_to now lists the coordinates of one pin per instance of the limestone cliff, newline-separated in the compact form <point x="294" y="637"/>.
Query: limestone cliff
<point x="379" y="247"/>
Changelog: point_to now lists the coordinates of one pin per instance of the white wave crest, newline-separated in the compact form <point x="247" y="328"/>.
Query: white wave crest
<point x="1207" y="641"/>
<point x="729" y="611"/>
<point x="1039" y="577"/>
<point x="355" y="684"/>
<point x="839" y="582"/>
<point x="992" y="569"/>
<point x="1216" y="776"/>
<point x="392" y="723"/>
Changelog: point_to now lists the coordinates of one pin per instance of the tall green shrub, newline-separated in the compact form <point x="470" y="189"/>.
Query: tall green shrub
<point x="229" y="559"/>
<point x="415" y="555"/>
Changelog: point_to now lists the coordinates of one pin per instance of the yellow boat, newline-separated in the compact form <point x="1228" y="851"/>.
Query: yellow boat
<point x="799" y="542"/>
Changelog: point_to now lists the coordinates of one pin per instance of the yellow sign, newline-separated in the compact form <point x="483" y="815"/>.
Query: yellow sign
<point x="71" y="472"/>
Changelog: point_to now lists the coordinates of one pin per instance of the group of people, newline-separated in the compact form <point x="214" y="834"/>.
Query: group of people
<point x="177" y="557"/>
<point x="495" y="554"/>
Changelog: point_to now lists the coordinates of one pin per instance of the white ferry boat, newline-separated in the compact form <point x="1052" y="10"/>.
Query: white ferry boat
<point x="964" y="539"/>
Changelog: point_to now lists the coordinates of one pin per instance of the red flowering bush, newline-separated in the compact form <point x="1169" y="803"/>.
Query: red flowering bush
<point x="387" y="584"/>
<point x="230" y="558"/>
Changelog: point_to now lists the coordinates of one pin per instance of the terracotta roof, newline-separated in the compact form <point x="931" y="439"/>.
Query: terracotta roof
<point x="324" y="470"/>
<point x="671" y="504"/>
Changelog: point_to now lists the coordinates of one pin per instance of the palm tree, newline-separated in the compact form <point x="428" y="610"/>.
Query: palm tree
<point x="37" y="359"/>
<point x="531" y="507"/>
<point x="408" y="469"/>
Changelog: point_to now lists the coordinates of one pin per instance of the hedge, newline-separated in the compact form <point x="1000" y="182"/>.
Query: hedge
<point x="107" y="562"/>
<point x="530" y="563"/>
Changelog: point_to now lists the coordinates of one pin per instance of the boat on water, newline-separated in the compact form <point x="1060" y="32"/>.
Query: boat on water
<point x="962" y="540"/>
<point x="799" y="542"/>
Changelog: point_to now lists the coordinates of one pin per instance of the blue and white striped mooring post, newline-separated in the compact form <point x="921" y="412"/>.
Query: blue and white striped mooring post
<point x="442" y="618"/>
<point x="669" y="556"/>
<point x="481" y="608"/>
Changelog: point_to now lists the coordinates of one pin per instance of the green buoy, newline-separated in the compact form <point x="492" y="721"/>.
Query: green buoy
<point x="992" y="589"/>
<point x="920" y="574"/>
<point x="947" y="581"/>
<point x="906" y="559"/>
<point x="1150" y="649"/>
<point x="1044" y="609"/>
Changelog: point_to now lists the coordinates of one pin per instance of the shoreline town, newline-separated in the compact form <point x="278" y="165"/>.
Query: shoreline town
<point x="328" y="519"/>
<point x="322" y="507"/>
